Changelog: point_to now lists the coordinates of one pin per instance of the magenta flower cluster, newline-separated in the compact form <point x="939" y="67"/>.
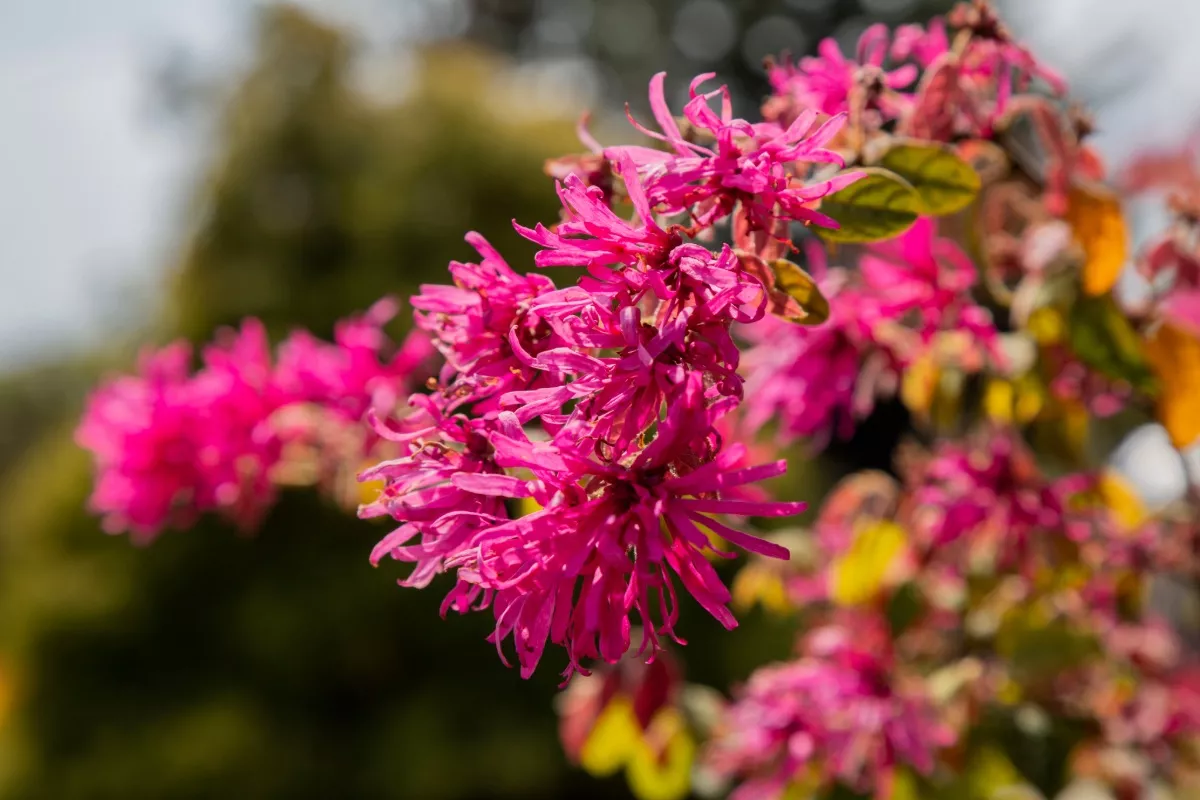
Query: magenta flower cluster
<point x="597" y="408"/>
<point x="171" y="444"/>
<point x="837" y="709"/>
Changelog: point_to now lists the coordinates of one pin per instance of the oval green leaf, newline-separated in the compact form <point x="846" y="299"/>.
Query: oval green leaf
<point x="800" y="287"/>
<point x="945" y="182"/>
<point x="878" y="206"/>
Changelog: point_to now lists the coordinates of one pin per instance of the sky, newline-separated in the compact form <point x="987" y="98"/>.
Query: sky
<point x="94" y="182"/>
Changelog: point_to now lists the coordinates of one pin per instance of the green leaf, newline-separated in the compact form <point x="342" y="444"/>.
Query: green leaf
<point x="800" y="287"/>
<point x="904" y="608"/>
<point x="945" y="182"/>
<point x="1103" y="338"/>
<point x="878" y="206"/>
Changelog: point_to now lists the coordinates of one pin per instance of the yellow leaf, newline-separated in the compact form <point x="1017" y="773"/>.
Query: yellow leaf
<point x="800" y="286"/>
<point x="999" y="400"/>
<point x="1095" y="217"/>
<point x="527" y="506"/>
<point x="991" y="773"/>
<point x="613" y="740"/>
<point x="758" y="583"/>
<point x="660" y="767"/>
<point x="1030" y="399"/>
<point x="1175" y="356"/>
<point x="1121" y="498"/>
<point x="920" y="384"/>
<point x="904" y="786"/>
<point x="1047" y="326"/>
<point x="858" y="577"/>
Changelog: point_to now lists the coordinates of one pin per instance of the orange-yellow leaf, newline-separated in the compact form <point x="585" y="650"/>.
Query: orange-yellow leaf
<point x="1095" y="217"/>
<point x="1175" y="356"/>
<point x="1122" y="500"/>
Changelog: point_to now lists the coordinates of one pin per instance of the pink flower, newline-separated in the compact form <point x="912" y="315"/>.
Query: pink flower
<point x="922" y="44"/>
<point x="828" y="81"/>
<point x="621" y="394"/>
<point x="170" y="445"/>
<point x="475" y="323"/>
<point x="754" y="164"/>
<point x="838" y="708"/>
<point x="994" y="53"/>
<point x="807" y="380"/>
<point x="139" y="429"/>
<point x="609" y="540"/>
<point x="593" y="236"/>
<point x="923" y="276"/>
<point x="988" y="492"/>
<point x="347" y="377"/>
<point x="1075" y="381"/>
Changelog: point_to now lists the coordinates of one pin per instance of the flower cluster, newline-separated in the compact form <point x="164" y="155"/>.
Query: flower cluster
<point x="906" y="296"/>
<point x="836" y="715"/>
<point x="171" y="444"/>
<point x="599" y="406"/>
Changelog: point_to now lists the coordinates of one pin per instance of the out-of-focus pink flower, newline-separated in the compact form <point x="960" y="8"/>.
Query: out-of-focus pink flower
<point x="988" y="490"/>
<point x="925" y="278"/>
<point x="827" y="81"/>
<point x="347" y="376"/>
<point x="993" y="51"/>
<point x="838" y="708"/>
<point x="170" y="445"/>
<point x="139" y="429"/>
<point x="1073" y="381"/>
<point x="923" y="44"/>
<point x="807" y="379"/>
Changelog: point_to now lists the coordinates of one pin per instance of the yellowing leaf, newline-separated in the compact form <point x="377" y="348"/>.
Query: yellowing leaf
<point x="858" y="576"/>
<point x="1013" y="401"/>
<point x="527" y="506"/>
<point x="878" y="206"/>
<point x="919" y="384"/>
<point x="660" y="767"/>
<point x="991" y="773"/>
<point x="944" y="182"/>
<point x="999" y="400"/>
<point x="1121" y="498"/>
<point x="800" y="286"/>
<point x="1103" y="338"/>
<point x="1046" y="325"/>
<point x="1175" y="356"/>
<point x="1099" y="226"/>
<point x="759" y="583"/>
<point x="613" y="740"/>
<point x="904" y="786"/>
<point x="1031" y="399"/>
<point x="368" y="491"/>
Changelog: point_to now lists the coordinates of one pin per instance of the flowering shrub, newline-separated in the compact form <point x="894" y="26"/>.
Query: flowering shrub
<point x="587" y="452"/>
